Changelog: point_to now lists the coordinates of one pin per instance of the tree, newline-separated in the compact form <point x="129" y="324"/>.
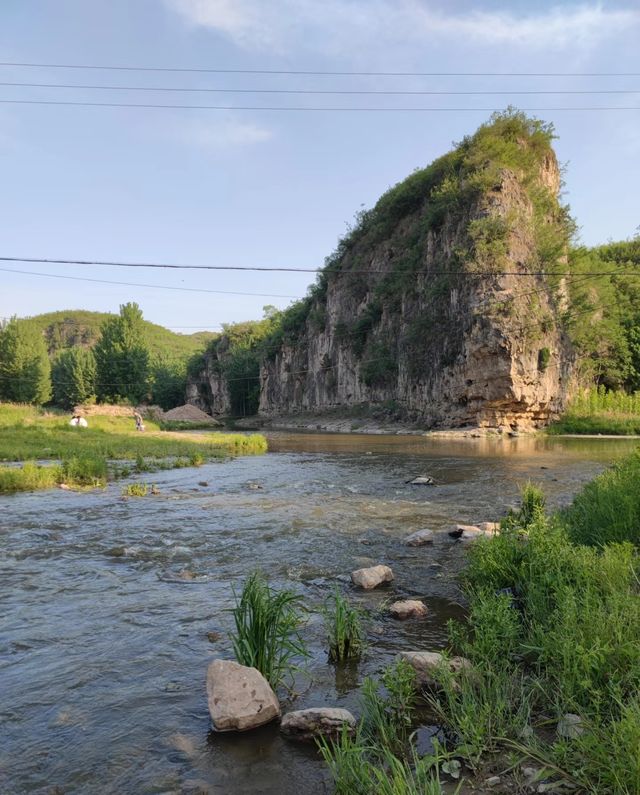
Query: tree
<point x="122" y="357"/>
<point x="169" y="381"/>
<point x="25" y="371"/>
<point x="74" y="377"/>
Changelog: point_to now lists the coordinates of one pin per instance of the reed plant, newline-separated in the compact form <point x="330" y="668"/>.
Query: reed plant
<point x="345" y="632"/>
<point x="267" y="624"/>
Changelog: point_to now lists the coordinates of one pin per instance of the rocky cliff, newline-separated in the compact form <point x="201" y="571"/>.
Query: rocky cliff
<point x="444" y="301"/>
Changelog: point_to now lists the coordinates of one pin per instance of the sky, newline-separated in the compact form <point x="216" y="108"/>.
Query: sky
<point x="275" y="188"/>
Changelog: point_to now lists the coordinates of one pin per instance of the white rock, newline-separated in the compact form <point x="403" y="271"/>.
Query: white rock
<point x="570" y="726"/>
<point x="427" y="663"/>
<point x="240" y="698"/>
<point x="419" y="538"/>
<point x="408" y="608"/>
<point x="371" y="577"/>
<point x="306" y="724"/>
<point x="492" y="781"/>
<point x="465" y="531"/>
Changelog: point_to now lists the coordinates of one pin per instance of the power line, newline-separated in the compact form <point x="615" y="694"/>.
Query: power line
<point x="350" y="92"/>
<point x="298" y="108"/>
<point x="251" y="268"/>
<point x="213" y="70"/>
<point x="138" y="284"/>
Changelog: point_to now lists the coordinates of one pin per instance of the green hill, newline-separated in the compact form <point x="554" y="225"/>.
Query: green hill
<point x="70" y="327"/>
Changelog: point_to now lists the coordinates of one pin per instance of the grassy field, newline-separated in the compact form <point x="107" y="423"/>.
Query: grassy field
<point x="595" y="411"/>
<point x="28" y="434"/>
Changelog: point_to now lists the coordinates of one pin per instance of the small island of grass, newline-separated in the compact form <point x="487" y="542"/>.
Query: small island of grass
<point x="52" y="452"/>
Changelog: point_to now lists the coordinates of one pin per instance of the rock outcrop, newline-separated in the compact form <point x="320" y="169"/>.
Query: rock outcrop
<point x="437" y="305"/>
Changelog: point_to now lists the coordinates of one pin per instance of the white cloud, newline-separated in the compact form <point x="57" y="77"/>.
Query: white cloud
<point x="221" y="133"/>
<point x="276" y="24"/>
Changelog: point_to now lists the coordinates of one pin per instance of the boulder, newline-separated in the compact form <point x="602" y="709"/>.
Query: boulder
<point x="408" y="608"/>
<point x="570" y="726"/>
<point x="419" y="538"/>
<point x="240" y="698"/>
<point x="426" y="663"/>
<point x="307" y="724"/>
<point x="371" y="577"/>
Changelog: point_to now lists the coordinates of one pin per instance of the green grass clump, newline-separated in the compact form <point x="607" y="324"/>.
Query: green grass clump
<point x="378" y="757"/>
<point x="86" y="470"/>
<point x="135" y="490"/>
<point x="344" y="629"/>
<point x="29" y="477"/>
<point x="267" y="624"/>
<point x="608" y="508"/>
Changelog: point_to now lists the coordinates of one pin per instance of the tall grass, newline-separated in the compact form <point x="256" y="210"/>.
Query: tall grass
<point x="29" y="477"/>
<point x="554" y="627"/>
<point x="379" y="757"/>
<point x="345" y="633"/>
<point x="599" y="411"/>
<point x="267" y="624"/>
<point x="608" y="508"/>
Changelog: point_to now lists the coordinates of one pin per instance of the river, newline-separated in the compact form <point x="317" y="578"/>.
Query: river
<point x="106" y="602"/>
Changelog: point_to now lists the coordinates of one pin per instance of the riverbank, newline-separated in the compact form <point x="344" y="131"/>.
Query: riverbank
<point x="553" y="640"/>
<point x="84" y="457"/>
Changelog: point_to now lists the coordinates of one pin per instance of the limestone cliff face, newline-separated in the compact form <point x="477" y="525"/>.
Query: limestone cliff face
<point x="208" y="389"/>
<point x="436" y="305"/>
<point x="446" y="350"/>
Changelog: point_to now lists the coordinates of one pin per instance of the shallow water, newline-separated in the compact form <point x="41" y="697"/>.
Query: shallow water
<point x="103" y="646"/>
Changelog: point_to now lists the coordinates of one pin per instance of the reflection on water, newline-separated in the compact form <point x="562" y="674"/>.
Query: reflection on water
<point x="106" y="602"/>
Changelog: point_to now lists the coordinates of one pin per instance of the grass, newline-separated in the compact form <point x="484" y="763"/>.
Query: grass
<point x="29" y="434"/>
<point x="554" y="627"/>
<point x="596" y="411"/>
<point x="379" y="757"/>
<point x="267" y="624"/>
<point x="135" y="490"/>
<point x="345" y="633"/>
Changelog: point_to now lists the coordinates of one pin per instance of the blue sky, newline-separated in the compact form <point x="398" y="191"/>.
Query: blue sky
<point x="275" y="188"/>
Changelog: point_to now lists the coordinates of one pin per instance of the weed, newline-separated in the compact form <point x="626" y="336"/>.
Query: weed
<point x="85" y="470"/>
<point x="344" y="629"/>
<point x="135" y="490"/>
<point x="267" y="629"/>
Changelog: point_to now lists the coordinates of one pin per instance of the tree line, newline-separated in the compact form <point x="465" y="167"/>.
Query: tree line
<point x="119" y="368"/>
